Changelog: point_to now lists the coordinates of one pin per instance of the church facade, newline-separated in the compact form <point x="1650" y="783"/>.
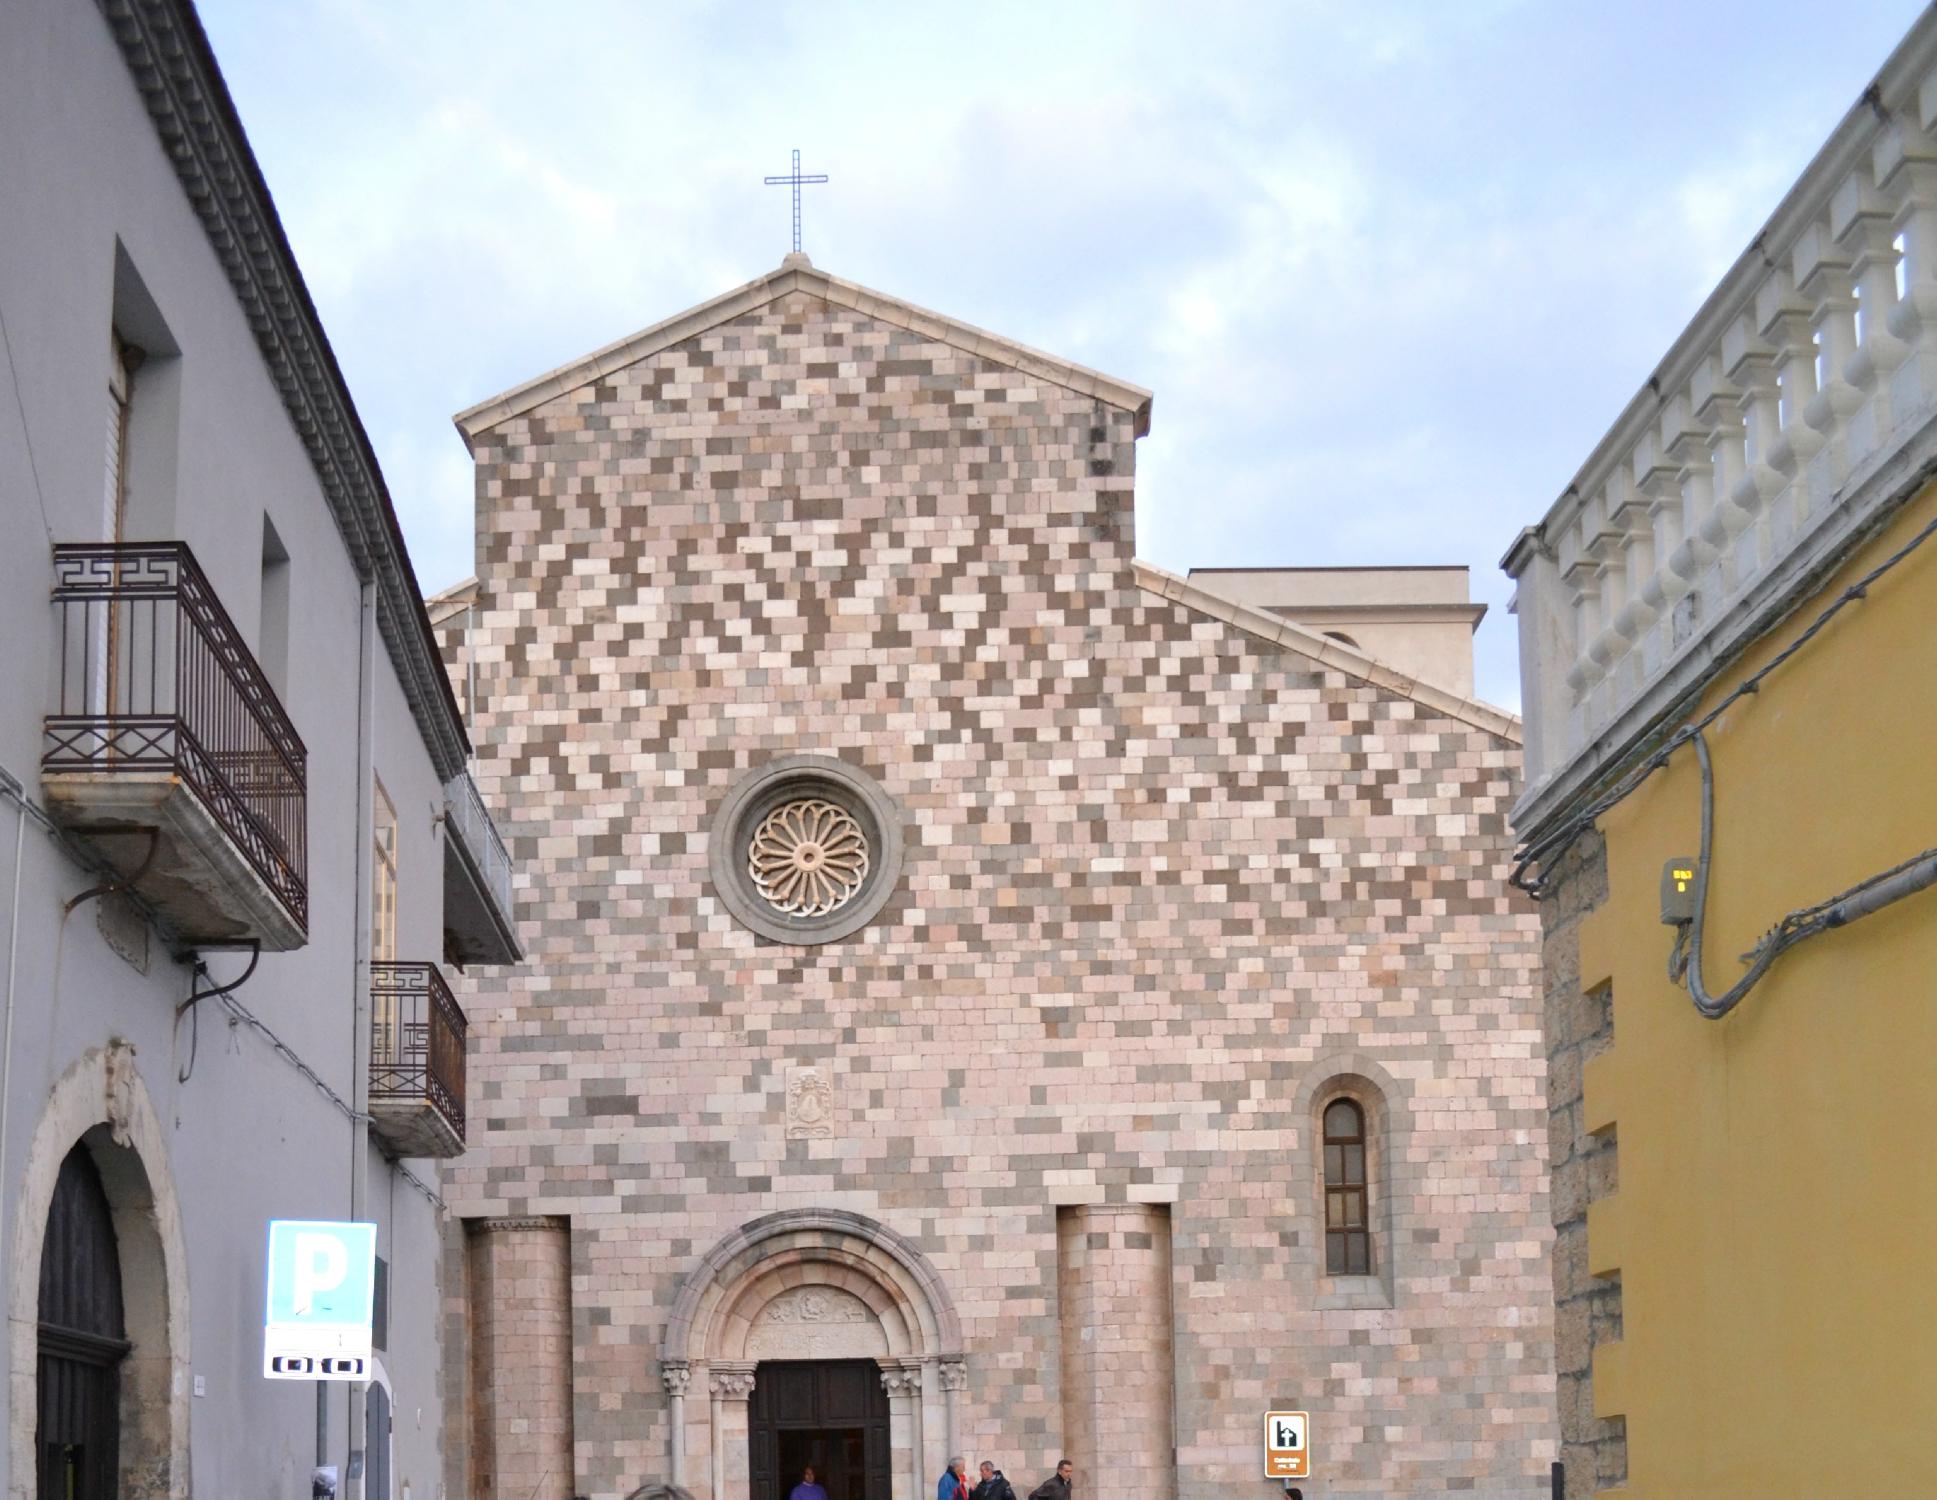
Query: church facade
<point x="987" y="995"/>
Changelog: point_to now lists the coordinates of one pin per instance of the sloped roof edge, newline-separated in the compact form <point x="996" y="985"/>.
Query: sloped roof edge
<point x="797" y="273"/>
<point x="1326" y="651"/>
<point x="167" y="53"/>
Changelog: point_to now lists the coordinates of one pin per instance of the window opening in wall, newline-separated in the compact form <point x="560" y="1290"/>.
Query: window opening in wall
<point x="386" y="1042"/>
<point x="272" y="629"/>
<point x="124" y="359"/>
<point x="1348" y="1239"/>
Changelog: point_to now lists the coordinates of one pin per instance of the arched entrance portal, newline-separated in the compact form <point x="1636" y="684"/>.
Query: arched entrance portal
<point x="98" y="1148"/>
<point x="82" y="1338"/>
<point x="805" y="1307"/>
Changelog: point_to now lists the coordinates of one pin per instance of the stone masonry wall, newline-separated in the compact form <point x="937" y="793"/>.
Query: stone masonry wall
<point x="1159" y="875"/>
<point x="1587" y="1308"/>
<point x="521" y="1353"/>
<point x="1114" y="1296"/>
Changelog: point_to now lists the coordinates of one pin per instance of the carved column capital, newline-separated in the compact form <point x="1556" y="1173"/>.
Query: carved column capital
<point x="902" y="1382"/>
<point x="954" y="1375"/>
<point x="732" y="1385"/>
<point x="678" y="1376"/>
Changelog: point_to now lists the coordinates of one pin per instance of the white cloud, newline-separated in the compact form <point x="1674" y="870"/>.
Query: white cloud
<point x="1390" y="270"/>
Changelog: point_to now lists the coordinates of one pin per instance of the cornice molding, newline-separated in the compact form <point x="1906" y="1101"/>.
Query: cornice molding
<point x="175" y="71"/>
<point x="1325" y="651"/>
<point x="797" y="273"/>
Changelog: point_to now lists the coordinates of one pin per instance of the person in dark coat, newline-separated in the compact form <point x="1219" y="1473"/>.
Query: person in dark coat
<point x="993" y="1485"/>
<point x="1056" y="1486"/>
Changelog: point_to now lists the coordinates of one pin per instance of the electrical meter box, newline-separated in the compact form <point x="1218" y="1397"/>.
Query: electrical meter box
<point x="1678" y="892"/>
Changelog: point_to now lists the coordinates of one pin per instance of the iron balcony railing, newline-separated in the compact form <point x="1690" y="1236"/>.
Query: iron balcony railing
<point x="155" y="676"/>
<point x="417" y="1032"/>
<point x="480" y="835"/>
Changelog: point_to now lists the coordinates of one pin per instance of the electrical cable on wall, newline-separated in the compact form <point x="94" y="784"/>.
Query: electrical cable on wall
<point x="1868" y="895"/>
<point x="1685" y="959"/>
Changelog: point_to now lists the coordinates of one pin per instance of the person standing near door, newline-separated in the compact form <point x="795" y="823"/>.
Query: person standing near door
<point x="807" y="1489"/>
<point x="994" y="1485"/>
<point x="1056" y="1487"/>
<point x="953" y="1485"/>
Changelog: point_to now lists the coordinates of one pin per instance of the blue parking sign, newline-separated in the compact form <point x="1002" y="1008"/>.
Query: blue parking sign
<point x="322" y="1287"/>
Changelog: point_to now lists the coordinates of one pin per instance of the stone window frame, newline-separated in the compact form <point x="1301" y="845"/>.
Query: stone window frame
<point x="1349" y="1074"/>
<point x="764" y="788"/>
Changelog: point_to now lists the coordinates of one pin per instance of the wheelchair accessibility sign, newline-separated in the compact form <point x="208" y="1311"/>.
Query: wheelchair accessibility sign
<point x="1287" y="1445"/>
<point x="322" y="1289"/>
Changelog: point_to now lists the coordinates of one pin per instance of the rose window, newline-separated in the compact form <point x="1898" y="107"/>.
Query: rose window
<point x="808" y="857"/>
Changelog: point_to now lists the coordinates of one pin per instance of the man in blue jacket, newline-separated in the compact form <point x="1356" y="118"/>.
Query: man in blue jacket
<point x="953" y="1485"/>
<point x="807" y="1489"/>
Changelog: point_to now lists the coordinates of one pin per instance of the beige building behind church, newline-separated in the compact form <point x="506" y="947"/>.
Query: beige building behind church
<point x="987" y="995"/>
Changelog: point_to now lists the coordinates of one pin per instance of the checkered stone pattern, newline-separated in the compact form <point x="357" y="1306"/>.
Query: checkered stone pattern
<point x="1159" y="875"/>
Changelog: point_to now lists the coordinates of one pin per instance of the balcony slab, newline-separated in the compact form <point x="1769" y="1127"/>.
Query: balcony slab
<point x="157" y="833"/>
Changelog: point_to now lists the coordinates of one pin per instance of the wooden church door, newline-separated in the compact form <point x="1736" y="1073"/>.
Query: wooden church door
<point x="830" y="1414"/>
<point x="82" y="1340"/>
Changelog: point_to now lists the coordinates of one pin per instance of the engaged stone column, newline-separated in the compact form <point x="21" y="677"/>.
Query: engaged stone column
<point x="521" y="1358"/>
<point x="954" y="1376"/>
<point x="731" y="1384"/>
<point x="1114" y="1303"/>
<point x="904" y="1431"/>
<point x="933" y="1435"/>
<point x="677" y="1375"/>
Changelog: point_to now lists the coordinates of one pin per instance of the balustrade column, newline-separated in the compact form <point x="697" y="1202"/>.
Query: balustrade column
<point x="1823" y="276"/>
<point x="1685" y="448"/>
<point x="1628" y="519"/>
<point x="1864" y="232"/>
<point x="1599" y="543"/>
<point x="1715" y="400"/>
<point x="1914" y="318"/>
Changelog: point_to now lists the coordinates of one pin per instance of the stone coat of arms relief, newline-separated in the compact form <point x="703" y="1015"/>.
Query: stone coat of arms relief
<point x="810" y="1104"/>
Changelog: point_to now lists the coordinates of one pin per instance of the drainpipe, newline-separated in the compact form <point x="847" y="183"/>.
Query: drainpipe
<point x="360" y="973"/>
<point x="12" y="787"/>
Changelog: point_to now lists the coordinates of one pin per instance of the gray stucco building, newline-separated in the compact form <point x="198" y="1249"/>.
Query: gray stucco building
<point x="228" y="749"/>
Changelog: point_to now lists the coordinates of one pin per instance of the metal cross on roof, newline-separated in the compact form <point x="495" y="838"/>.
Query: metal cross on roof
<point x="794" y="180"/>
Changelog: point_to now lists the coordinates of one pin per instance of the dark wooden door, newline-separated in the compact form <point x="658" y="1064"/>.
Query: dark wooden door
<point x="82" y="1340"/>
<point x="376" y="1442"/>
<point x="832" y="1414"/>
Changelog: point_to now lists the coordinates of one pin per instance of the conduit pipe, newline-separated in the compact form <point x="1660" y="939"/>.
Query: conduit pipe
<point x="1878" y="891"/>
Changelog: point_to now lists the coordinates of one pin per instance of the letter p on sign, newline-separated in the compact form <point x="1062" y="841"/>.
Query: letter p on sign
<point x="322" y="1265"/>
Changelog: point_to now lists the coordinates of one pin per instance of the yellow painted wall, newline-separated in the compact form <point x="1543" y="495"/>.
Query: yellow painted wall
<point x="1775" y="1227"/>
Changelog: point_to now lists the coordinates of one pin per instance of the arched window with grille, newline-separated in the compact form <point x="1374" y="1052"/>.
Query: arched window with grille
<point x="1348" y="1234"/>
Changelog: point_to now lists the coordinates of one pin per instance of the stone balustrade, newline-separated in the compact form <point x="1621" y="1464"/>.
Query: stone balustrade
<point x="1810" y="370"/>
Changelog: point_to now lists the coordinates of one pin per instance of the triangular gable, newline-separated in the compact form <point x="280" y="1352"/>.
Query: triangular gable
<point x="1326" y="652"/>
<point x="797" y="273"/>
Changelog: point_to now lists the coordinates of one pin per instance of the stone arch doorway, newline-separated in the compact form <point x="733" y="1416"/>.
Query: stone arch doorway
<point x="99" y="1120"/>
<point x="817" y="1285"/>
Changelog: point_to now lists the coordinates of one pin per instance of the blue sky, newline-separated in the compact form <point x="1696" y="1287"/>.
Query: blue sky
<point x="1391" y="269"/>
